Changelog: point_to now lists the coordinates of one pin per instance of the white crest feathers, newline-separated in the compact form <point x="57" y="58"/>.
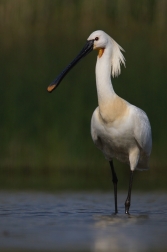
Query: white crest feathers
<point x="117" y="58"/>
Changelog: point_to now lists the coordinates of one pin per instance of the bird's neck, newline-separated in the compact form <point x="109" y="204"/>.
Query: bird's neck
<point x="105" y="91"/>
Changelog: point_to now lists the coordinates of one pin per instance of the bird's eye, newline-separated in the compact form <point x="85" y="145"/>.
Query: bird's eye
<point x="96" y="38"/>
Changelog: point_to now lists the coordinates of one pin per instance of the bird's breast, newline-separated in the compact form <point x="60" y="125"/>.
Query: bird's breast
<point x="113" y="138"/>
<point x="114" y="110"/>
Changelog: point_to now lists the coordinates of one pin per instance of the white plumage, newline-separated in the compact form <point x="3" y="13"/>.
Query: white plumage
<point x="119" y="129"/>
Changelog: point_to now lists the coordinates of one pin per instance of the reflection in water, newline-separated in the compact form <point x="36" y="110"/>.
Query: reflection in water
<point x="82" y="221"/>
<point x="104" y="221"/>
<point x="141" y="231"/>
<point x="116" y="232"/>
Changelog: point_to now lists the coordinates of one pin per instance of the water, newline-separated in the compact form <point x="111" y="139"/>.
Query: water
<point x="82" y="222"/>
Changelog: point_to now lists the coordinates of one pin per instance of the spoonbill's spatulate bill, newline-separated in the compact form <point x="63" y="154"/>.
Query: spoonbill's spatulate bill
<point x="119" y="129"/>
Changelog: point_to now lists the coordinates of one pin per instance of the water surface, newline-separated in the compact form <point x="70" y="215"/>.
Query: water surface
<point x="82" y="222"/>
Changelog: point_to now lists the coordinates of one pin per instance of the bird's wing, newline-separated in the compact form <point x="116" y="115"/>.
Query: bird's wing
<point x="142" y="130"/>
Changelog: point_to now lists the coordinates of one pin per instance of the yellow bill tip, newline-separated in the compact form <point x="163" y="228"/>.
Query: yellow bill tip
<point x="50" y="88"/>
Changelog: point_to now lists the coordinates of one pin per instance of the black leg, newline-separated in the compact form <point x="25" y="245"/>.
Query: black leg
<point x="115" y="181"/>
<point x="128" y="200"/>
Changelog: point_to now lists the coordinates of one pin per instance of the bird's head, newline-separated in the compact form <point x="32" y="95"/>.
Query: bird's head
<point x="100" y="41"/>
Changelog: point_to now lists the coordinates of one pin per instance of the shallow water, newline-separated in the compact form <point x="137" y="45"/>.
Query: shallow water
<point x="82" y="222"/>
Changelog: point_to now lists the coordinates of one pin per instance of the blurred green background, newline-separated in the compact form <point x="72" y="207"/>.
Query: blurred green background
<point x="45" y="140"/>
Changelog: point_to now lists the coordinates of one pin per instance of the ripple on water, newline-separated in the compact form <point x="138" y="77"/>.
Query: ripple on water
<point x="80" y="221"/>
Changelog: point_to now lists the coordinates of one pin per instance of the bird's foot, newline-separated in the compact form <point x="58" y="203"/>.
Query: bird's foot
<point x="127" y="206"/>
<point x="127" y="211"/>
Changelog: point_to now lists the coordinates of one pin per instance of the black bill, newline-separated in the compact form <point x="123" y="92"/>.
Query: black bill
<point x="87" y="49"/>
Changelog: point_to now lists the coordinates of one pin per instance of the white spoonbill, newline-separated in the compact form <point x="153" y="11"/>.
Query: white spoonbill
<point x="119" y="129"/>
